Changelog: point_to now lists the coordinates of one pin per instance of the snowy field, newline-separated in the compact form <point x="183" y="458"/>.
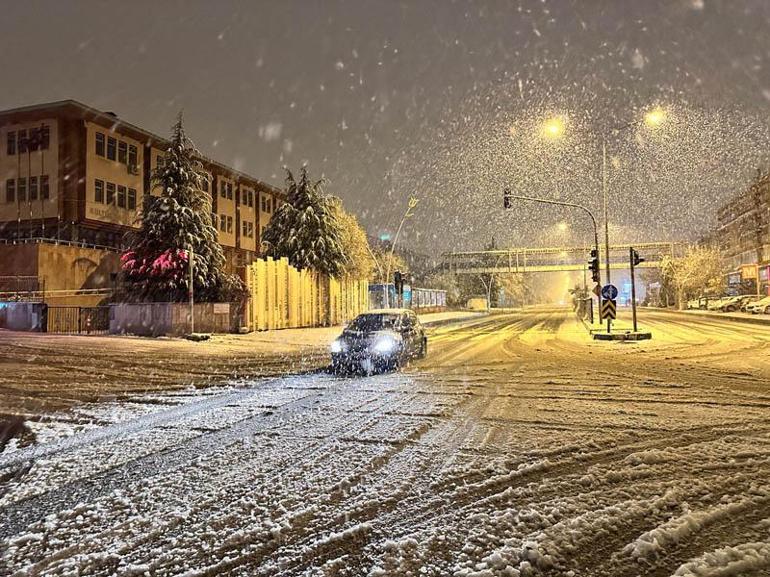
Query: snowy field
<point x="517" y="448"/>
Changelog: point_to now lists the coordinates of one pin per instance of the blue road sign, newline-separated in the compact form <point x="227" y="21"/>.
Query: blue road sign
<point x="609" y="292"/>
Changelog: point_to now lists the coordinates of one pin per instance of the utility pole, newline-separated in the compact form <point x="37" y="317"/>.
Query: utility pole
<point x="606" y="219"/>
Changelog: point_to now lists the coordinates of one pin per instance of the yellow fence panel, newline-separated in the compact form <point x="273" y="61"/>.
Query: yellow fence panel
<point x="281" y="296"/>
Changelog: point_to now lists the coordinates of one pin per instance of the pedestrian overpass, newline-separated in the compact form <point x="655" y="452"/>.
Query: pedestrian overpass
<point x="556" y="259"/>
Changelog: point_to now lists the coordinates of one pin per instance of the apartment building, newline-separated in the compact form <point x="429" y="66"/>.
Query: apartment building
<point x="73" y="173"/>
<point x="743" y="234"/>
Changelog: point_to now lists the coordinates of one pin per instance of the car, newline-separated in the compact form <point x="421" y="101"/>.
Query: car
<point x="715" y="304"/>
<point x="762" y="306"/>
<point x="693" y="304"/>
<point x="731" y="304"/>
<point x="378" y="340"/>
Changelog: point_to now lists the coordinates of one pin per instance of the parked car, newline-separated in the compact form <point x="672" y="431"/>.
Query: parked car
<point x="762" y="306"/>
<point x="379" y="340"/>
<point x="732" y="304"/>
<point x="714" y="304"/>
<point x="693" y="304"/>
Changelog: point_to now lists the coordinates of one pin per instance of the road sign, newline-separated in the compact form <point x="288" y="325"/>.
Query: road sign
<point x="609" y="292"/>
<point x="597" y="289"/>
<point x="609" y="309"/>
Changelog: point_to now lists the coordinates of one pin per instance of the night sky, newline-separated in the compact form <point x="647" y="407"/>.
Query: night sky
<point x="440" y="99"/>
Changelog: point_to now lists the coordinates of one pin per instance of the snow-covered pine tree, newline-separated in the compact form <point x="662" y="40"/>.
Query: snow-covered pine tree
<point x="155" y="268"/>
<point x="304" y="228"/>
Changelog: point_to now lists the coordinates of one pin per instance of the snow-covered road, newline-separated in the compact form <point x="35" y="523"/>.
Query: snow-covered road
<point x="518" y="447"/>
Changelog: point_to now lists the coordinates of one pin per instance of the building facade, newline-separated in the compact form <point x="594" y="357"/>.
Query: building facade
<point x="73" y="173"/>
<point x="744" y="237"/>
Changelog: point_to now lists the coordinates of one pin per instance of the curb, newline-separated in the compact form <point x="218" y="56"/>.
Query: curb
<point x="630" y="336"/>
<point x="442" y="322"/>
<point x="753" y="319"/>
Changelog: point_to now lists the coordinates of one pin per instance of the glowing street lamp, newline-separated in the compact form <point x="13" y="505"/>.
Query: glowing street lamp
<point x="553" y="127"/>
<point x="655" y="117"/>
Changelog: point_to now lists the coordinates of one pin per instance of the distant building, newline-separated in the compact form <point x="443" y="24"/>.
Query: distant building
<point x="69" y="172"/>
<point x="743" y="235"/>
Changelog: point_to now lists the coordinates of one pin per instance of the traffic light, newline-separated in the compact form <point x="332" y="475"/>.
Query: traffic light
<point x="398" y="281"/>
<point x="506" y="198"/>
<point x="635" y="258"/>
<point x="593" y="264"/>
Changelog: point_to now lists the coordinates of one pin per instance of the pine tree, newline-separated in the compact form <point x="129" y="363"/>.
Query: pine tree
<point x="304" y="229"/>
<point x="155" y="268"/>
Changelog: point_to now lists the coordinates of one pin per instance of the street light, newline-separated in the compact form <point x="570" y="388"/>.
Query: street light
<point x="655" y="117"/>
<point x="553" y="128"/>
<point x="411" y="205"/>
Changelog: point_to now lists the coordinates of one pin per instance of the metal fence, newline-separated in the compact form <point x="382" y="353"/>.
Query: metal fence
<point x="72" y="319"/>
<point x="17" y="288"/>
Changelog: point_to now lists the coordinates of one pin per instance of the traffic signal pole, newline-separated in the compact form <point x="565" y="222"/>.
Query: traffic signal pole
<point x="634" y="259"/>
<point x="507" y="196"/>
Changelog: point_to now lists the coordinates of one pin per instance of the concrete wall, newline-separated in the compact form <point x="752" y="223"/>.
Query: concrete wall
<point x="157" y="319"/>
<point x="61" y="267"/>
<point x="21" y="316"/>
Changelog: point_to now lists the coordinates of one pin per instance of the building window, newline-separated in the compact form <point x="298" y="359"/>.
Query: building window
<point x="110" y="193"/>
<point x="23" y="142"/>
<point x="244" y="228"/>
<point x="10" y="190"/>
<point x="264" y="206"/>
<point x="222" y="222"/>
<point x="122" y="152"/>
<point x="131" y="199"/>
<point x="45" y="137"/>
<point x="11" y="143"/>
<point x="99" y="191"/>
<point x="275" y="203"/>
<point x="33" y="187"/>
<point x="112" y="146"/>
<point x="22" y="189"/>
<point x="121" y="196"/>
<point x="223" y="189"/>
<point x="132" y="155"/>
<point x="159" y="161"/>
<point x="45" y="188"/>
<point x="229" y="224"/>
<point x="100" y="144"/>
<point x="229" y="191"/>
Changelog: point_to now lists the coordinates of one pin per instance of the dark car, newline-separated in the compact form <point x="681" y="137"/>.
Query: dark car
<point x="379" y="340"/>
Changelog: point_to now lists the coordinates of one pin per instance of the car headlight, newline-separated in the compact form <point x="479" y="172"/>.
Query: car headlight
<point x="385" y="344"/>
<point x="338" y="346"/>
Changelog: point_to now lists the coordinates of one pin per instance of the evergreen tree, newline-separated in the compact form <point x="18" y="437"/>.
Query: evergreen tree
<point x="156" y="268"/>
<point x="304" y="229"/>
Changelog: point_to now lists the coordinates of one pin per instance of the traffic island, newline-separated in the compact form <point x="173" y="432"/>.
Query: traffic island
<point x="625" y="336"/>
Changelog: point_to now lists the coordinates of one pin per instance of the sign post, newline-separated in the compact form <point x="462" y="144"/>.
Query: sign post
<point x="609" y="294"/>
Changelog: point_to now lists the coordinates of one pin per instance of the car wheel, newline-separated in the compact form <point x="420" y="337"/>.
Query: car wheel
<point x="730" y="309"/>
<point x="767" y="310"/>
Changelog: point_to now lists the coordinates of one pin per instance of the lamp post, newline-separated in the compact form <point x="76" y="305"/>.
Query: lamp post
<point x="554" y="128"/>
<point x="413" y="201"/>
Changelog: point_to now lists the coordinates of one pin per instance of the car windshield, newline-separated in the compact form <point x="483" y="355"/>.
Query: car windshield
<point x="376" y="322"/>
